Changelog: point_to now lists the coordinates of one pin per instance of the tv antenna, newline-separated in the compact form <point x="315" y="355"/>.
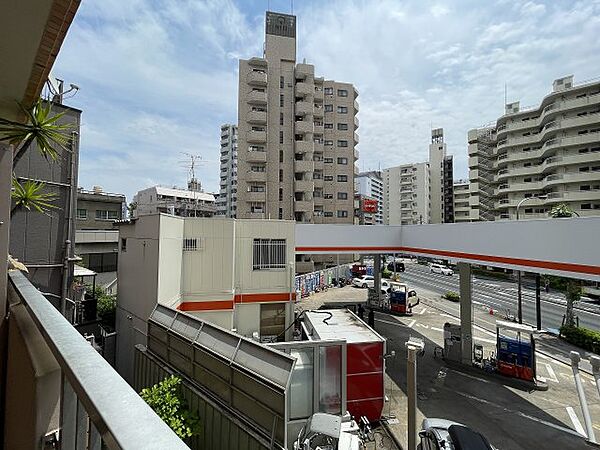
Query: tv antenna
<point x="191" y="163"/>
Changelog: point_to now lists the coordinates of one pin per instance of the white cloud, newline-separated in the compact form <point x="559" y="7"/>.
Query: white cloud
<point x="158" y="78"/>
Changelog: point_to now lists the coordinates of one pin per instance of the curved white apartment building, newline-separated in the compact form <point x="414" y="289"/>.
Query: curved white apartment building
<point x="550" y="151"/>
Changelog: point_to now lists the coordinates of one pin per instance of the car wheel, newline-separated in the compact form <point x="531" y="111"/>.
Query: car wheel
<point x="364" y="286"/>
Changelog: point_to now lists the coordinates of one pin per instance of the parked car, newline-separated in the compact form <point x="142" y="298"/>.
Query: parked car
<point x="366" y="281"/>
<point x="445" y="434"/>
<point x="439" y="268"/>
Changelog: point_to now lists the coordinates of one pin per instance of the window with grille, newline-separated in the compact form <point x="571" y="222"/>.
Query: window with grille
<point x="268" y="254"/>
<point x="190" y="244"/>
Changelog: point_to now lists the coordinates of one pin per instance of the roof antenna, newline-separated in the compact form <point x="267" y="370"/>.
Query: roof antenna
<point x="292" y="3"/>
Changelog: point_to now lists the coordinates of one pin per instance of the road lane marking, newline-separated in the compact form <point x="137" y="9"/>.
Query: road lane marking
<point x="423" y="326"/>
<point x="411" y="323"/>
<point x="437" y="329"/>
<point x="576" y="423"/>
<point x="423" y="311"/>
<point x="484" y="340"/>
<point x="551" y="374"/>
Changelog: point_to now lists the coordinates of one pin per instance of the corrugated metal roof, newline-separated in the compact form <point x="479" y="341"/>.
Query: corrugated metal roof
<point x="343" y="324"/>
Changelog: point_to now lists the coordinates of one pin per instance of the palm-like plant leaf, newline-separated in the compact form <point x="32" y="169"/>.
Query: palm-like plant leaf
<point x="30" y="195"/>
<point x="561" y="210"/>
<point x="40" y="128"/>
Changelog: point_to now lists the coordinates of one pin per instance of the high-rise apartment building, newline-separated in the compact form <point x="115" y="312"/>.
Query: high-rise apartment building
<point x="550" y="151"/>
<point x="296" y="135"/>
<point x="370" y="185"/>
<point x="227" y="200"/>
<point x="462" y="207"/>
<point x="421" y="192"/>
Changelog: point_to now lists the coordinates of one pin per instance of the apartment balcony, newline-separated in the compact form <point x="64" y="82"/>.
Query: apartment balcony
<point x="563" y="178"/>
<point x="68" y="386"/>
<point x="304" y="186"/>
<point x="319" y="95"/>
<point x="356" y="122"/>
<point x="355" y="104"/>
<point x="255" y="61"/>
<point x="304" y="127"/>
<point x="356" y="139"/>
<point x="256" y="78"/>
<point x="573" y="196"/>
<point x="318" y="111"/>
<point x="356" y="155"/>
<point x="318" y="128"/>
<point x="304" y="89"/>
<point x="256" y="215"/>
<point x="257" y="98"/>
<point x="256" y="177"/>
<point x="318" y="183"/>
<point x="256" y="197"/>
<point x="304" y="108"/>
<point x="303" y="147"/>
<point x="304" y="166"/>
<point x="473" y="162"/>
<point x="257" y="117"/>
<point x="304" y="71"/>
<point x="319" y="147"/>
<point x="303" y="206"/>
<point x="257" y="137"/>
<point x="256" y="156"/>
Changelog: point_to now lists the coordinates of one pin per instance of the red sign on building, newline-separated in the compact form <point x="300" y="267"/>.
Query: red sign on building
<point x="369" y="205"/>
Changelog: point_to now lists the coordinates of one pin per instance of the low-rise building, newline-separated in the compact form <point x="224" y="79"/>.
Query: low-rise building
<point x="191" y="202"/>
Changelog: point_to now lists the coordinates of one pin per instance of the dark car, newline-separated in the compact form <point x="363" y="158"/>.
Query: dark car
<point x="441" y="434"/>
<point x="399" y="267"/>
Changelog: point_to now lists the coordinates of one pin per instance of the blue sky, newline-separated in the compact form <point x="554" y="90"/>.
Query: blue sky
<point x="159" y="77"/>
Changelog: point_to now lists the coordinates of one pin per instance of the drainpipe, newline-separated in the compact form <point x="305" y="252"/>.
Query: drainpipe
<point x="575" y="358"/>
<point x="67" y="260"/>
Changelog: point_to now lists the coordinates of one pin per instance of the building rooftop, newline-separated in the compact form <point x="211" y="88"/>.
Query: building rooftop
<point x="341" y="323"/>
<point x="184" y="193"/>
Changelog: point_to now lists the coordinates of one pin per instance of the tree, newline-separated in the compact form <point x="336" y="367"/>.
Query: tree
<point x="167" y="401"/>
<point x="49" y="136"/>
<point x="572" y="288"/>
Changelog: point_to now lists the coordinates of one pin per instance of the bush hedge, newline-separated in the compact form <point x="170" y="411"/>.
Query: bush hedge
<point x="452" y="296"/>
<point x="582" y="337"/>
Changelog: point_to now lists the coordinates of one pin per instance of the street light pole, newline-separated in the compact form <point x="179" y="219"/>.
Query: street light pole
<point x="520" y="273"/>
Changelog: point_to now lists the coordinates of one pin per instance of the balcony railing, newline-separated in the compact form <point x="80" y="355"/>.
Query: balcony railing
<point x="96" y="405"/>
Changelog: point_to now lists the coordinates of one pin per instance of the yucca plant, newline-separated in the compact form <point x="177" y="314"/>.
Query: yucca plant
<point x="29" y="195"/>
<point x="561" y="210"/>
<point x="41" y="128"/>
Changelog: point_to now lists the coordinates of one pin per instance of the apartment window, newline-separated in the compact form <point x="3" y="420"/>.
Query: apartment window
<point x="280" y="156"/>
<point x="584" y="188"/>
<point x="81" y="213"/>
<point x="328" y="143"/>
<point x="281" y="82"/>
<point x="342" y="109"/>
<point x="328" y="108"/>
<point x="328" y="196"/>
<point x="281" y="100"/>
<point x="268" y="254"/>
<point x="328" y="160"/>
<point x="584" y="169"/>
<point x="342" y="126"/>
<point x="281" y="137"/>
<point x="257" y="188"/>
<point x="342" y="161"/>
<point x="190" y="244"/>
<point x="342" y="213"/>
<point x="328" y="126"/>
<point x="584" y="150"/>
<point x="526" y="180"/>
<point x="123" y="244"/>
<point x="257" y="168"/>
<point x="280" y="213"/>
<point x="342" y="93"/>
<point x="342" y="178"/>
<point x="281" y="175"/>
<point x="586" y="206"/>
<point x="281" y="119"/>
<point x="328" y="178"/>
<point x="342" y="196"/>
<point x="328" y="91"/>
<point x="280" y="194"/>
<point x="327" y="214"/>
<point x="106" y="215"/>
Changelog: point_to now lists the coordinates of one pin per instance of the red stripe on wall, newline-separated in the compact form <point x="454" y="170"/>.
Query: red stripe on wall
<point x="239" y="298"/>
<point x="567" y="267"/>
<point x="206" y="306"/>
<point x="266" y="297"/>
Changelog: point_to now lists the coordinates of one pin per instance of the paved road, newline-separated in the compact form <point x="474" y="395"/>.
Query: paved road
<point x="502" y="296"/>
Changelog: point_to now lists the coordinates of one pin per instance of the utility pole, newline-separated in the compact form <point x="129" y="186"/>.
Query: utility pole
<point x="414" y="346"/>
<point x="538" y="302"/>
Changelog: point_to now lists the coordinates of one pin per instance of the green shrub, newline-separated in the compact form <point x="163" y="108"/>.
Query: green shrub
<point x="167" y="401"/>
<point x="582" y="337"/>
<point x="385" y="273"/>
<point x="452" y="296"/>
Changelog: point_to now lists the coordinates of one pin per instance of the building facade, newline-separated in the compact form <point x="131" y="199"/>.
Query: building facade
<point x="549" y="153"/>
<point x="406" y="194"/>
<point x="296" y="135"/>
<point x="370" y="184"/>
<point x="227" y="199"/>
<point x="441" y="203"/>
<point x="462" y="207"/>
<point x="191" y="202"/>
<point x="96" y="240"/>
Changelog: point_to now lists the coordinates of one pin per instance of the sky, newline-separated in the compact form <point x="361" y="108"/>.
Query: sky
<point x="157" y="78"/>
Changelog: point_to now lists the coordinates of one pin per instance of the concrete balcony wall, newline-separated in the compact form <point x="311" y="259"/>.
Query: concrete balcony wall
<point x="257" y="137"/>
<point x="304" y="186"/>
<point x="258" y="117"/>
<point x="303" y="206"/>
<point x="304" y="166"/>
<point x="257" y="78"/>
<point x="257" y="97"/>
<point x="304" y="127"/>
<point x="304" y="107"/>
<point x="256" y="176"/>
<point x="303" y="147"/>
<point x="256" y="197"/>
<point x="255" y="156"/>
<point x="305" y="89"/>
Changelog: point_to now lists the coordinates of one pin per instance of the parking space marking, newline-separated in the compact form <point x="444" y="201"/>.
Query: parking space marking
<point x="551" y="374"/>
<point x="491" y="341"/>
<point x="437" y="329"/>
<point x="423" y="311"/>
<point x="411" y="323"/>
<point x="423" y="326"/>
<point x="576" y="423"/>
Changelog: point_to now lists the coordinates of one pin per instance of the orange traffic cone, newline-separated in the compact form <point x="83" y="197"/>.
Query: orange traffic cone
<point x="491" y="311"/>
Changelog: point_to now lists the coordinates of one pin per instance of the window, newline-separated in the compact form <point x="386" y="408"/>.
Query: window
<point x="343" y="161"/>
<point x="342" y="93"/>
<point x="190" y="244"/>
<point x="584" y="188"/>
<point x="342" y="126"/>
<point x="328" y="143"/>
<point x="281" y="100"/>
<point x="342" y="109"/>
<point x="328" y="160"/>
<point x="82" y="213"/>
<point x="281" y="82"/>
<point x="280" y="194"/>
<point x="586" y="206"/>
<point x="342" y="213"/>
<point x="281" y="119"/>
<point x="342" y="196"/>
<point x="257" y="168"/>
<point x="268" y="254"/>
<point x="123" y="244"/>
<point x="280" y="213"/>
<point x="328" y="196"/>
<point x="257" y="188"/>
<point x="328" y="108"/>
<point x="280" y="156"/>
<point x="281" y="137"/>
<point x="281" y="175"/>
<point x="328" y="91"/>
<point x="328" y="178"/>
<point x="328" y="126"/>
<point x="342" y="178"/>
<point x="327" y="214"/>
<point x="106" y="215"/>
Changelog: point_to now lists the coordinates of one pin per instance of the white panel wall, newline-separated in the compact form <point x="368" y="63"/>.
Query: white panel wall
<point x="336" y="238"/>
<point x="169" y="260"/>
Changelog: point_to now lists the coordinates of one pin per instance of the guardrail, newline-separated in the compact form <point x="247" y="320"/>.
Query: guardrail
<point x="97" y="406"/>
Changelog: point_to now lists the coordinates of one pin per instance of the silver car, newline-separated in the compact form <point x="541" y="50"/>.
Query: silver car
<point x="441" y="434"/>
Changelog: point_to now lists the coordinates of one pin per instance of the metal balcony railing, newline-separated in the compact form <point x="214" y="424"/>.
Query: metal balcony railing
<point x="97" y="406"/>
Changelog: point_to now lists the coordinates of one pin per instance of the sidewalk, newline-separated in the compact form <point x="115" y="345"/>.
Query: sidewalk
<point x="551" y="345"/>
